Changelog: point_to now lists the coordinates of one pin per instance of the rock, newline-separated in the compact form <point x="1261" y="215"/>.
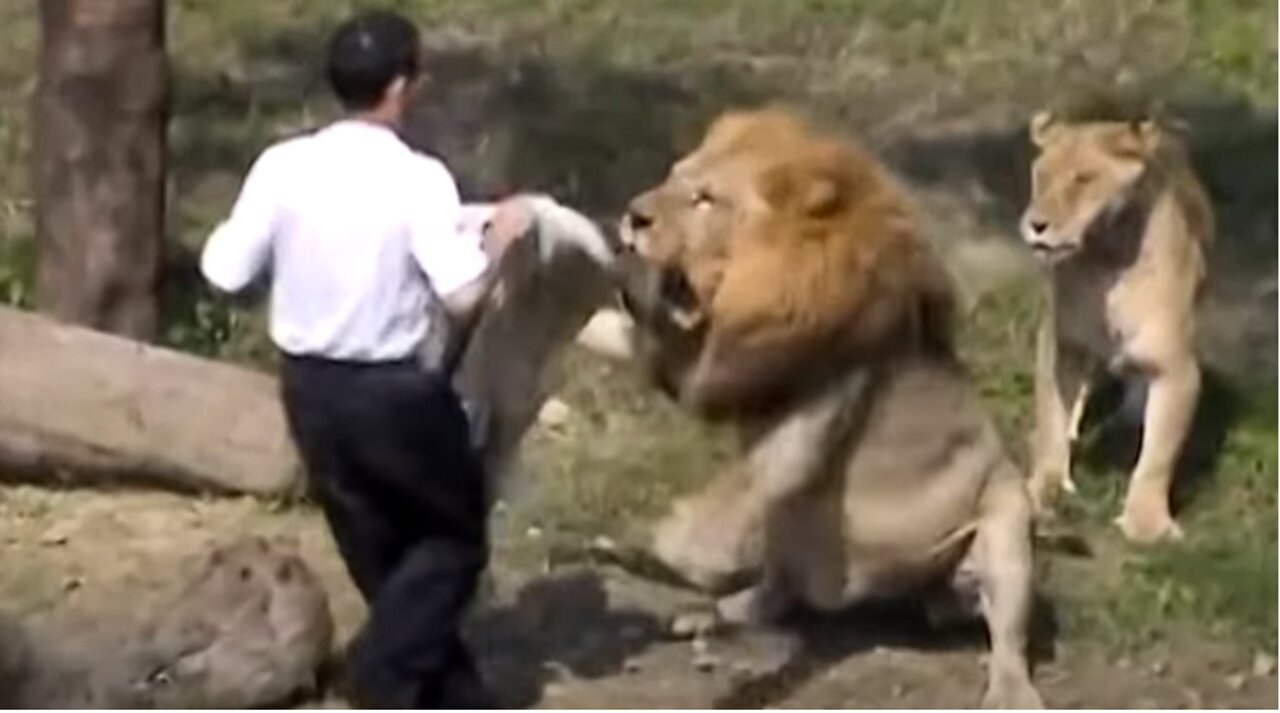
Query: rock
<point x="1236" y="681"/>
<point x="533" y="533"/>
<point x="1159" y="668"/>
<point x="700" y="646"/>
<point x="898" y="690"/>
<point x="631" y="666"/>
<point x="70" y="584"/>
<point x="554" y="414"/>
<point x="1264" y="664"/>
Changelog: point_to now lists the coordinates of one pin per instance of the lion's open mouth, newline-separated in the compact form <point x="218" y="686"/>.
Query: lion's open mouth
<point x="681" y="302"/>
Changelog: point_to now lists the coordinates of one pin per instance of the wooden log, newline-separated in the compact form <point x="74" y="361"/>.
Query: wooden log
<point x="81" y="406"/>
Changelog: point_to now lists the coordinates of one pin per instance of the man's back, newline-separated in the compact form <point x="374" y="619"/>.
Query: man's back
<point x="340" y="216"/>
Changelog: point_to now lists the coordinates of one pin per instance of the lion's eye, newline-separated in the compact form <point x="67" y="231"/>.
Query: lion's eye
<point x="701" y="198"/>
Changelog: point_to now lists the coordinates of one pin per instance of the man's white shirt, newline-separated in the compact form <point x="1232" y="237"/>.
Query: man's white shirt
<point x="359" y="232"/>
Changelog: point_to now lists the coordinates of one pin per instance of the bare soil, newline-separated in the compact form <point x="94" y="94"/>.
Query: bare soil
<point x="585" y="637"/>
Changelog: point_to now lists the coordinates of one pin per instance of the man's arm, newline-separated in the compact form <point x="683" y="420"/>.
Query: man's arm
<point x="459" y="248"/>
<point x="239" y="249"/>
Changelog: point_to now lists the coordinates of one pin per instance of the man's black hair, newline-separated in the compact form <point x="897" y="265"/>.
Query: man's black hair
<point x="367" y="53"/>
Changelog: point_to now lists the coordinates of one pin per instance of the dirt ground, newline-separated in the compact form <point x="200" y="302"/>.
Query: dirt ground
<point x="585" y="637"/>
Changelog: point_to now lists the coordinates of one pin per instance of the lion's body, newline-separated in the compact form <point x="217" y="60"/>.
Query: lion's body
<point x="1128" y="268"/>
<point x="821" y="330"/>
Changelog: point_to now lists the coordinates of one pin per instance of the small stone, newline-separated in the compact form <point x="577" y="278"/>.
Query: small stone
<point x="70" y="584"/>
<point x="533" y="533"/>
<point x="55" y="536"/>
<point x="1124" y="662"/>
<point x="604" y="544"/>
<point x="706" y="663"/>
<point x="1263" y="664"/>
<point x="558" y="671"/>
<point x="700" y="646"/>
<point x="898" y="690"/>
<point x="631" y="632"/>
<point x="631" y="666"/>
<point x="692" y="624"/>
<point x="1159" y="668"/>
<point x="1236" y="681"/>
<point x="554" y="414"/>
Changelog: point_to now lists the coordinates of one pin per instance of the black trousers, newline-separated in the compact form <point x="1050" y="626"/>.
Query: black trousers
<point x="389" y="460"/>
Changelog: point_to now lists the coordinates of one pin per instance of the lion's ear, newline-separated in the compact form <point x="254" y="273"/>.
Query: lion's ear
<point x="1148" y="134"/>
<point x="812" y="189"/>
<point x="1043" y="126"/>
<point x="1137" y="140"/>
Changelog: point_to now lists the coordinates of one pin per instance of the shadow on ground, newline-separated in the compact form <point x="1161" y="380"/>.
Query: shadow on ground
<point x="825" y="640"/>
<point x="558" y="627"/>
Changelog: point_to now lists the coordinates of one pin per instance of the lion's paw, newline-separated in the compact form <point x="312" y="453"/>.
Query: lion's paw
<point x="1145" y="526"/>
<point x="1012" y="692"/>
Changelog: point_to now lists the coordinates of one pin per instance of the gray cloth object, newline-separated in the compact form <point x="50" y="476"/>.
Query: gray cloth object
<point x="549" y="285"/>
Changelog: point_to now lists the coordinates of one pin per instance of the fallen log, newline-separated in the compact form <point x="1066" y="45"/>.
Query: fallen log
<point x="79" y="406"/>
<point x="83" y="407"/>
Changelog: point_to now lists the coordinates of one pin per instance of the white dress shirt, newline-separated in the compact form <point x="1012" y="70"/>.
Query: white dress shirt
<point x="359" y="232"/>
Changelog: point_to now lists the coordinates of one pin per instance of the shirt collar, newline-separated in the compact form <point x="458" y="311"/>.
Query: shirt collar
<point x="360" y="126"/>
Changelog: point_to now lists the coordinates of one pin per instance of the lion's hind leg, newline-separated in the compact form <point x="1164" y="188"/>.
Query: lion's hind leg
<point x="1002" y="559"/>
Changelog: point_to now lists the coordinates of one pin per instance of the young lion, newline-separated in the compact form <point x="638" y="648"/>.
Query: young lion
<point x="1121" y="223"/>
<point x="776" y="282"/>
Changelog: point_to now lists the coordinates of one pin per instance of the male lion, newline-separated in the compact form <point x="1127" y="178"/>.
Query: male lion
<point x="1121" y="223"/>
<point x="776" y="281"/>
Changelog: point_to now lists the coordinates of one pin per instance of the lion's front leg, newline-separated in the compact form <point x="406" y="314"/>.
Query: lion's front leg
<point x="1061" y="387"/>
<point x="713" y="539"/>
<point x="1171" y="404"/>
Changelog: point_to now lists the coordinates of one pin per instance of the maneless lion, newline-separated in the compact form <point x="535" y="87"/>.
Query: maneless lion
<point x="1121" y="223"/>
<point x="775" y="280"/>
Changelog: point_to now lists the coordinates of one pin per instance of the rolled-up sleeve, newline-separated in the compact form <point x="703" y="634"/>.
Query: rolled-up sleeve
<point x="240" y="247"/>
<point x="444" y="244"/>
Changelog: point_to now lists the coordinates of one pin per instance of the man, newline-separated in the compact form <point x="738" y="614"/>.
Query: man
<point x="360" y="234"/>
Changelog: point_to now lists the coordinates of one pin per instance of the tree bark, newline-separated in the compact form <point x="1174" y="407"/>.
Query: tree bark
<point x="100" y="114"/>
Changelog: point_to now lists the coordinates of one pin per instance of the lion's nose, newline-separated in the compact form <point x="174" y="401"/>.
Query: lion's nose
<point x="638" y="218"/>
<point x="634" y="221"/>
<point x="1038" y="226"/>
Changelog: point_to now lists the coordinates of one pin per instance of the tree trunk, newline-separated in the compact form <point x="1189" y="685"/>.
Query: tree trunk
<point x="100" y="115"/>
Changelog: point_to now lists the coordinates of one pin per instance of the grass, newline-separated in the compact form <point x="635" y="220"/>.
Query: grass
<point x="589" y="99"/>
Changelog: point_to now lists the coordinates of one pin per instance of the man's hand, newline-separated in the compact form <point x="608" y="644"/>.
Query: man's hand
<point x="511" y="220"/>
